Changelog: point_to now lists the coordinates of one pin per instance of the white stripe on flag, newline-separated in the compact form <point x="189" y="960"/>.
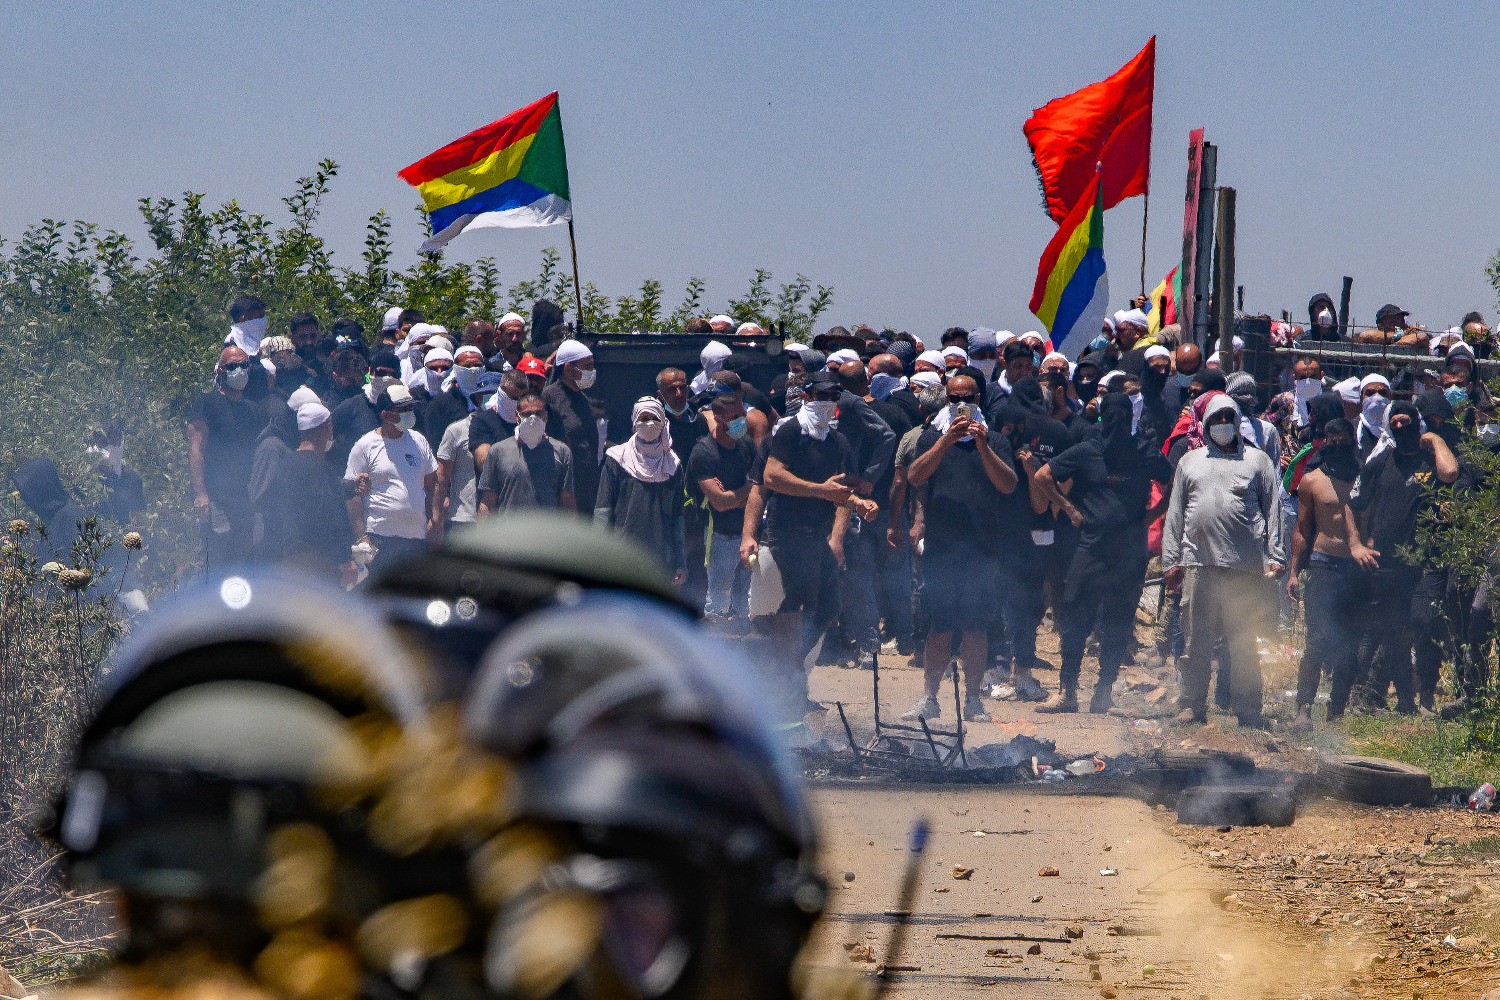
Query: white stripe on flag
<point x="548" y="211"/>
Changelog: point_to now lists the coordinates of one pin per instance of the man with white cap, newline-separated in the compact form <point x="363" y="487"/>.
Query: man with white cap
<point x="312" y="499"/>
<point x="510" y="340"/>
<point x="720" y="323"/>
<point x="954" y="357"/>
<point x="712" y="358"/>
<point x="570" y="418"/>
<point x="931" y="361"/>
<point x="1130" y="330"/>
<point x="389" y="324"/>
<point x="1220" y="536"/>
<point x="392" y="472"/>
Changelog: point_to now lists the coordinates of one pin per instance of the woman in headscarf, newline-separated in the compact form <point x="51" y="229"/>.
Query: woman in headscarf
<point x="712" y="357"/>
<point x="641" y="488"/>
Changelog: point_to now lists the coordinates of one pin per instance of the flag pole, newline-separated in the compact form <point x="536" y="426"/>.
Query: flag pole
<point x="1145" y="216"/>
<point x="578" y="288"/>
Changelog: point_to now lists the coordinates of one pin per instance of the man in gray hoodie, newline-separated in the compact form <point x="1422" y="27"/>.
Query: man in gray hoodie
<point x="1221" y="534"/>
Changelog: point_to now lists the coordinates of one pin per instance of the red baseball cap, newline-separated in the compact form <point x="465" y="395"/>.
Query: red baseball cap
<point x="530" y="365"/>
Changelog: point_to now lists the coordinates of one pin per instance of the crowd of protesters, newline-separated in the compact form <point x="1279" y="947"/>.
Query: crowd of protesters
<point x="928" y="496"/>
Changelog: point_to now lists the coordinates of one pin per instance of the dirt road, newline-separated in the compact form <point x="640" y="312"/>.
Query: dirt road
<point x="1349" y="901"/>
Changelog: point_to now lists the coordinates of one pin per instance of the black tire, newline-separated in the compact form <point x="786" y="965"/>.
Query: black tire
<point x="1236" y="805"/>
<point x="1375" y="781"/>
<point x="1205" y="761"/>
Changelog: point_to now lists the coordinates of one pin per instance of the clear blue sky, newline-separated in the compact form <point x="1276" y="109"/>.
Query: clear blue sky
<point x="874" y="147"/>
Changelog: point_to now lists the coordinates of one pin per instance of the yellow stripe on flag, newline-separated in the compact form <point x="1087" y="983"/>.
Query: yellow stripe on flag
<point x="1062" y="272"/>
<point x="497" y="168"/>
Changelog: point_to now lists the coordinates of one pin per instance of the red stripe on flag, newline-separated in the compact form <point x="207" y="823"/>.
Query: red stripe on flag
<point x="479" y="143"/>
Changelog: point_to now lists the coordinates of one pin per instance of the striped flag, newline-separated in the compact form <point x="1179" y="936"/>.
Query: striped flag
<point x="1072" y="288"/>
<point x="511" y="173"/>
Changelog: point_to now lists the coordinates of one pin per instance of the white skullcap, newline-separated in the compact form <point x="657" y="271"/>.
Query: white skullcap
<point x="713" y="351"/>
<point x="436" y="343"/>
<point x="920" y="342"/>
<point x="1117" y="319"/>
<point x="746" y="328"/>
<point x="392" y="318"/>
<point x="982" y="340"/>
<point x="1060" y="354"/>
<point x="1461" y="349"/>
<point x="1213" y="359"/>
<point x="398" y="394"/>
<point x="420" y="331"/>
<point x="301" y="397"/>
<point x="512" y="317"/>
<point x="571" y="350"/>
<point x="1348" y="390"/>
<point x="1239" y="345"/>
<point x="1373" y="379"/>
<point x="466" y="349"/>
<point x="1033" y="333"/>
<point x="1136" y="317"/>
<point x="1109" y="323"/>
<point x="1111" y="377"/>
<point x="956" y="352"/>
<point x="437" y="354"/>
<point x="721" y="318"/>
<point x="1157" y="351"/>
<point x="1003" y="337"/>
<point x="932" y="358"/>
<point x="929" y="379"/>
<point x="842" y="355"/>
<point x="311" y="415"/>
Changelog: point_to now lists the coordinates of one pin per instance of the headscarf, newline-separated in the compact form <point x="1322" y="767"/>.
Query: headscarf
<point x="932" y="358"/>
<point x="943" y="419"/>
<point x="1433" y="403"/>
<point x="648" y="461"/>
<point x="1190" y="423"/>
<point x="905" y="353"/>
<point x="1027" y="393"/>
<point x="882" y="385"/>
<point x="1218" y="403"/>
<point x="712" y="357"/>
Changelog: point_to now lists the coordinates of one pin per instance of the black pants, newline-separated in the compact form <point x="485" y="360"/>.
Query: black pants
<point x="695" y="547"/>
<point x="1023" y="602"/>
<point x="392" y="552"/>
<point x="859" y="612"/>
<point x="1389" y="631"/>
<point x="893" y="584"/>
<point x="1104" y="583"/>
<point x="1432" y="613"/>
<point x="1328" y="601"/>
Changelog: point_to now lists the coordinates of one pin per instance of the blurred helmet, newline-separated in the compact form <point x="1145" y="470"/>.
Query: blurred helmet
<point x="661" y="845"/>
<point x="456" y="600"/>
<point x="263" y="785"/>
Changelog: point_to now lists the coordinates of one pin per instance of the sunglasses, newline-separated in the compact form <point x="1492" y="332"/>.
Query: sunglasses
<point x="238" y="366"/>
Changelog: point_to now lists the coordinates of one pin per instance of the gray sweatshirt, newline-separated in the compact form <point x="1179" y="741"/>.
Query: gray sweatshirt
<point x="1223" y="511"/>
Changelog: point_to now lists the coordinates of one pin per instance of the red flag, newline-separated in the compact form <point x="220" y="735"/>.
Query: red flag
<point x="1068" y="136"/>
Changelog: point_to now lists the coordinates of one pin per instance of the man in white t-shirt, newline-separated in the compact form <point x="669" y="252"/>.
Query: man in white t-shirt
<point x="393" y="474"/>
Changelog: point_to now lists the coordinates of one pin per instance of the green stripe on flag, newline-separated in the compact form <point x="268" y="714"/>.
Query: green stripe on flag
<point x="546" y="163"/>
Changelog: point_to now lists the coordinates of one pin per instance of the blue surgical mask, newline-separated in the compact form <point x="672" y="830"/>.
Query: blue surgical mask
<point x="1036" y="360"/>
<point x="737" y="427"/>
<point x="1183" y="380"/>
<point x="1456" y="395"/>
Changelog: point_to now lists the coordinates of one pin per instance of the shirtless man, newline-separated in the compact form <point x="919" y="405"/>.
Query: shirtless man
<point x="1331" y="559"/>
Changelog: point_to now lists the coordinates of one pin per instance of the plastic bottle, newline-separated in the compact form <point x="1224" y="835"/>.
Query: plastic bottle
<point x="1079" y="768"/>
<point x="1054" y="774"/>
<point x="1483" y="797"/>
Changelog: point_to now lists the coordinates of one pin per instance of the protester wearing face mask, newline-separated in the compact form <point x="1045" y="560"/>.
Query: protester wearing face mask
<point x="1374" y="398"/>
<point x="1222" y="533"/>
<point x="687" y="427"/>
<point x="222" y="431"/>
<point x="1103" y="486"/>
<point x="889" y="384"/>
<point x="527" y="470"/>
<point x="356" y="416"/>
<point x="312" y="500"/>
<point x="393" y="474"/>
<point x="1332" y="557"/>
<point x="984" y="353"/>
<point x="807" y="480"/>
<point x="905" y="525"/>
<point x="570" y="417"/>
<point x="343" y="376"/>
<point x="124" y="495"/>
<point x="641" y="487"/>
<point x="1322" y="322"/>
<point x="457" y="499"/>
<point x="1086" y="375"/>
<point x="450" y="401"/>
<point x="1393" y="487"/>
<point x="719" y="471"/>
<point x="496" y="419"/>
<point x="963" y="469"/>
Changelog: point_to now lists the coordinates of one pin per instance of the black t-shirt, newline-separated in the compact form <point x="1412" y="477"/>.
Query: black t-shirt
<point x="313" y="494"/>
<point x="964" y="510"/>
<point x="907" y="401"/>
<point x="798" y="520"/>
<point x="1392" y="488"/>
<point x="488" y="427"/>
<point x="685" y="437"/>
<point x="894" y="414"/>
<point x="229" y="447"/>
<point x="352" y="419"/>
<point x="1109" y="503"/>
<point x="730" y="466"/>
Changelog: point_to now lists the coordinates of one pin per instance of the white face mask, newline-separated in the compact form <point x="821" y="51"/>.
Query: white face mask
<point x="531" y="430"/>
<point x="466" y="378"/>
<point x="586" y="378"/>
<point x="1374" y="408"/>
<point x="434" y="380"/>
<point x="506" y="407"/>
<point x="821" y="411"/>
<point x="1223" y="434"/>
<point x="380" y="383"/>
<point x="986" y="365"/>
<point x="1307" y="388"/>
<point x="237" y="379"/>
<point x="407" y="420"/>
<point x="648" y="430"/>
<point x="1325" y="318"/>
<point x="247" y="334"/>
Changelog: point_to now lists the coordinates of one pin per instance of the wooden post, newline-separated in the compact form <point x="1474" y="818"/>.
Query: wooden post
<point x="1224" y="278"/>
<point x="577" y="288"/>
<point x="1145" y="216"/>
<point x="1202" y="270"/>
